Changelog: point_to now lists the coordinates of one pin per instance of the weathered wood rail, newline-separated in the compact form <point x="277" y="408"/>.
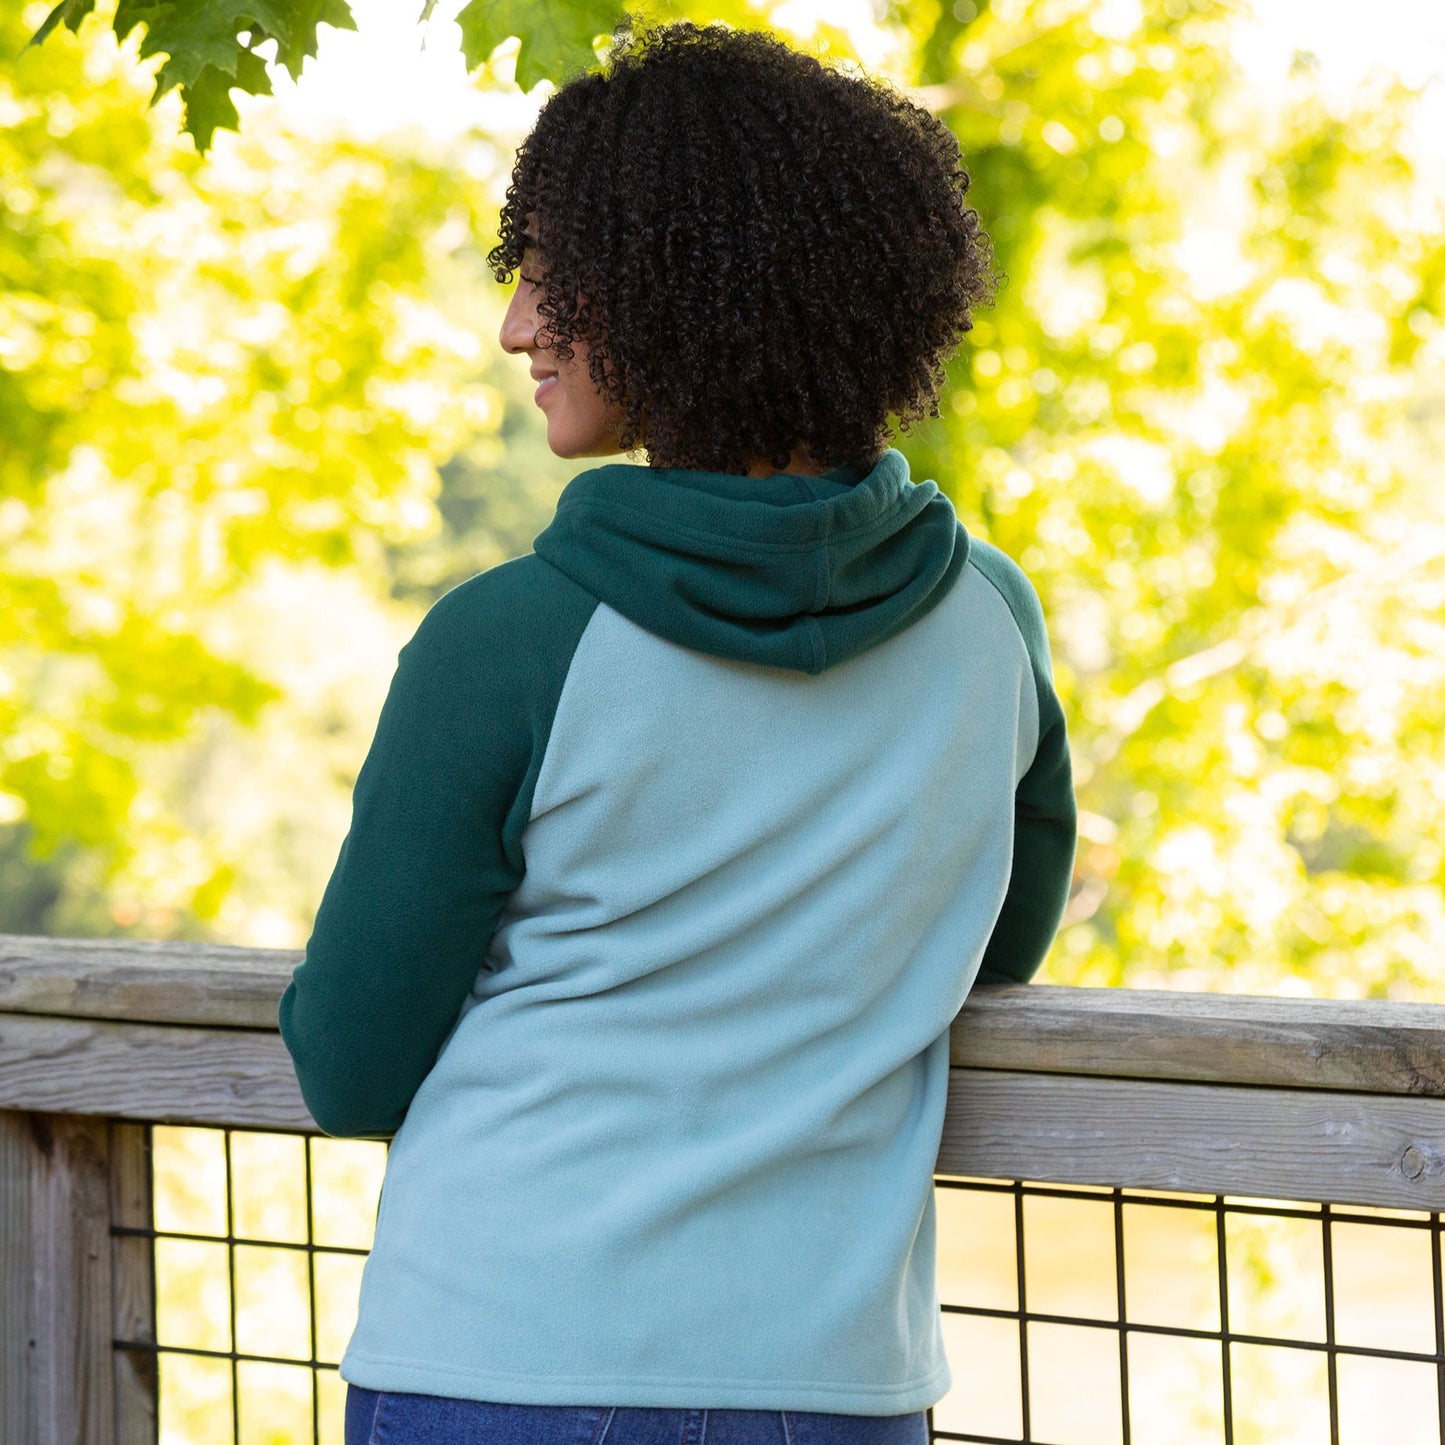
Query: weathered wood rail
<point x="1304" y="1099"/>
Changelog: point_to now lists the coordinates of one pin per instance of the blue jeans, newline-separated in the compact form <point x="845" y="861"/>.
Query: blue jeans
<point x="383" y="1418"/>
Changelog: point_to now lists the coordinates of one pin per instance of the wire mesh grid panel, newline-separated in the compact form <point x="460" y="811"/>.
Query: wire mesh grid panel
<point x="1077" y="1316"/>
<point x="1071" y="1315"/>
<point x="259" y="1242"/>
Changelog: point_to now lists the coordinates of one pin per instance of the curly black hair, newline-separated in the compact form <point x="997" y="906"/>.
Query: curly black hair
<point x="760" y="252"/>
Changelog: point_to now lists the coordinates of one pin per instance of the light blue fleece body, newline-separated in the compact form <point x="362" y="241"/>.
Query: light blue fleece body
<point x="677" y="850"/>
<point x="677" y="1149"/>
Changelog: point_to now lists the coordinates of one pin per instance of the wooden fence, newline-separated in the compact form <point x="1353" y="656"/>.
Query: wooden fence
<point x="1303" y="1099"/>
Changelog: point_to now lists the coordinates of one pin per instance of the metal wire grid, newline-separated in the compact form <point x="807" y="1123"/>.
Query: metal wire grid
<point x="1326" y="1215"/>
<point x="230" y="1239"/>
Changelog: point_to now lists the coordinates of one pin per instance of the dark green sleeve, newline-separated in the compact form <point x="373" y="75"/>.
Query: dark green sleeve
<point x="434" y="847"/>
<point x="1045" y="813"/>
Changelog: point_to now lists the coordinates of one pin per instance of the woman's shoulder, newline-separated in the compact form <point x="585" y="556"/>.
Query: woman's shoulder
<point x="524" y="604"/>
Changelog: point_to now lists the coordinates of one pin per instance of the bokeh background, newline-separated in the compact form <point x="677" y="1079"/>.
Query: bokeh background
<point x="255" y="419"/>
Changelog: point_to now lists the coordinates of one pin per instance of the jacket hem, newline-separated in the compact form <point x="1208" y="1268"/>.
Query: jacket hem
<point x="407" y="1376"/>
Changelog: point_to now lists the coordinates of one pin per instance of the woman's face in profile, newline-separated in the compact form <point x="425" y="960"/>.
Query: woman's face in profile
<point x="580" y="422"/>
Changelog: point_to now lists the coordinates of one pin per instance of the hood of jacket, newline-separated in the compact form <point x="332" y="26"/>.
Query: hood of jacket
<point x="790" y="571"/>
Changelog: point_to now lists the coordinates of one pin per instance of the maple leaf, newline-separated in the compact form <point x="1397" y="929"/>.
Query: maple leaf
<point x="306" y="16"/>
<point x="556" y="37"/>
<point x="193" y="34"/>
<point x="206" y="57"/>
<point x="72" y="12"/>
<point x="207" y="99"/>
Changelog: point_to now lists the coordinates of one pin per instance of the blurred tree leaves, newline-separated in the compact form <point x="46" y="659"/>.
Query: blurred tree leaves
<point x="206" y="371"/>
<point x="1206" y="416"/>
<point x="1192" y="418"/>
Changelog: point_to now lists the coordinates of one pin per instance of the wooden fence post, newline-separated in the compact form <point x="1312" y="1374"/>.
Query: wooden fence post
<point x="133" y="1283"/>
<point x="17" y="1277"/>
<point x="56" y="1371"/>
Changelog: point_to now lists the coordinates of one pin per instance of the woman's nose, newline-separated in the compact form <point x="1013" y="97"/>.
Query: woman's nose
<point x="519" y="325"/>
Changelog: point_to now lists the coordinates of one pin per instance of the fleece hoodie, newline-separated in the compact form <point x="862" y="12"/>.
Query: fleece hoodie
<point x="678" y="848"/>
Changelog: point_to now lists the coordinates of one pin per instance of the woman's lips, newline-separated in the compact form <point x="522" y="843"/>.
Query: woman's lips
<point x="543" y="387"/>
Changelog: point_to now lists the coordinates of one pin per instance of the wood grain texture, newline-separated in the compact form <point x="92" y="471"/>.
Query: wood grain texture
<point x="56" y="1380"/>
<point x="149" y="1071"/>
<point x="1273" y="1143"/>
<point x="144" y="981"/>
<point x="1363" y="1046"/>
<point x="1205" y="1138"/>
<point x="75" y="1389"/>
<point x="17" y="1281"/>
<point x="133" y="1284"/>
<point x="1360" y="1045"/>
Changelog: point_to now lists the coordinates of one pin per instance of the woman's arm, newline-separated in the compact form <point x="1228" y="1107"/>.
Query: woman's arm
<point x="1045" y="821"/>
<point x="434" y="847"/>
<point x="1045" y="812"/>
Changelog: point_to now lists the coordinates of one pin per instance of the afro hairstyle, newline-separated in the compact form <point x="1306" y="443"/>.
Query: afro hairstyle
<point x="759" y="252"/>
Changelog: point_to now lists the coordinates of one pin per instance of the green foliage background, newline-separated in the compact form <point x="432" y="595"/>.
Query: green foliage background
<point x="254" y="418"/>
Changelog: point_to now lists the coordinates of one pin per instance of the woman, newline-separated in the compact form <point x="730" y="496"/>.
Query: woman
<point x="682" y="841"/>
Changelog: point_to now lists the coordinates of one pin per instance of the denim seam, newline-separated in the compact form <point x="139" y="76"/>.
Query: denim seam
<point x="603" y="1426"/>
<point x="787" y="1428"/>
<point x="375" y="1416"/>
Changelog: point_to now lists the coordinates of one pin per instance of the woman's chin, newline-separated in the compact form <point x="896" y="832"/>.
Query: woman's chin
<point x="572" y="446"/>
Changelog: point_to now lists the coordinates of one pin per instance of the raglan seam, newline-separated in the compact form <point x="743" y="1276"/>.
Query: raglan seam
<point x="546" y="744"/>
<point x="1039" y="681"/>
<point x="1042" y="686"/>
